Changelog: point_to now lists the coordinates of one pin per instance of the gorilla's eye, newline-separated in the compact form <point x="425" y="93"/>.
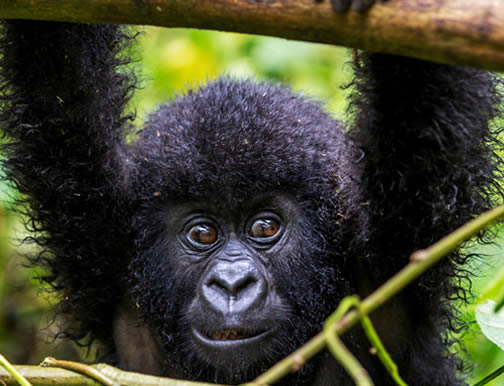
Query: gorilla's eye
<point x="203" y="234"/>
<point x="264" y="228"/>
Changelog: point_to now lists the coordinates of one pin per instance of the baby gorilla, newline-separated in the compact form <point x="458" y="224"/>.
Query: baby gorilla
<point x="221" y="239"/>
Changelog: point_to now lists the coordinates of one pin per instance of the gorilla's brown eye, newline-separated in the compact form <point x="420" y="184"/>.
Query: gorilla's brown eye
<point x="264" y="228"/>
<point x="203" y="234"/>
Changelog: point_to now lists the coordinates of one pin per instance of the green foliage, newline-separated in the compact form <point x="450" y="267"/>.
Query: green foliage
<point x="495" y="290"/>
<point x="484" y="355"/>
<point x="173" y="60"/>
<point x="491" y="322"/>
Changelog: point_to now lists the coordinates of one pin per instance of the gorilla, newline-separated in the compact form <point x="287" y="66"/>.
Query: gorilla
<point x="219" y="239"/>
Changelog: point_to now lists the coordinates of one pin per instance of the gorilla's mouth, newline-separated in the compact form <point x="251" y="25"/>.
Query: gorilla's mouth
<point x="233" y="334"/>
<point x="229" y="336"/>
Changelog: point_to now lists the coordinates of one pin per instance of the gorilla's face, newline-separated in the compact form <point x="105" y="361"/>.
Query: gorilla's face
<point x="236" y="308"/>
<point x="236" y="289"/>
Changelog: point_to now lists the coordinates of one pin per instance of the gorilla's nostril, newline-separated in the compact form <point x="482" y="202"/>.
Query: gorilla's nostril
<point x="233" y="286"/>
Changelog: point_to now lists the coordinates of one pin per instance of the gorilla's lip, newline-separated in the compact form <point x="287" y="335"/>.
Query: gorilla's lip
<point x="229" y="336"/>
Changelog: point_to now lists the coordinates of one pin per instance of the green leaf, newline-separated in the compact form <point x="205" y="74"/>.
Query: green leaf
<point x="491" y="323"/>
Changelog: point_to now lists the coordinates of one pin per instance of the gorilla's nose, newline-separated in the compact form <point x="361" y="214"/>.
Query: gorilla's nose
<point x="234" y="287"/>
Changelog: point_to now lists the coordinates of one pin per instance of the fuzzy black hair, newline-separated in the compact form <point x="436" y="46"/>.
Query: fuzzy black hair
<point x="232" y="140"/>
<point x="61" y="115"/>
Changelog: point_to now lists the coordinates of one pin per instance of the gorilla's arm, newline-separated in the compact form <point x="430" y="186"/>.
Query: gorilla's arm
<point x="429" y="162"/>
<point x="428" y="167"/>
<point x="62" y="101"/>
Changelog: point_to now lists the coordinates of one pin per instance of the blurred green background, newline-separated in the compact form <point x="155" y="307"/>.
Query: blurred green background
<point x="171" y="61"/>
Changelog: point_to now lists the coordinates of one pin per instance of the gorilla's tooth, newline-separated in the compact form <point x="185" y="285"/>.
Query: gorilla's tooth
<point x="231" y="334"/>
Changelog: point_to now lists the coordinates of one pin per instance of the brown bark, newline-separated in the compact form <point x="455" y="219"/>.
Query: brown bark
<point x="468" y="32"/>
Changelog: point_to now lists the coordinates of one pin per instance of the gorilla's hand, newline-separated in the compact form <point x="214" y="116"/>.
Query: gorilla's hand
<point x="357" y="5"/>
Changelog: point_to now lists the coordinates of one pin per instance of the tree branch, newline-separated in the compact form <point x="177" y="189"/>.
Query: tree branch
<point x="43" y="376"/>
<point x="450" y="31"/>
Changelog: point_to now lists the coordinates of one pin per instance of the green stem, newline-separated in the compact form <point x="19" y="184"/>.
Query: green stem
<point x="347" y="360"/>
<point x="339" y="350"/>
<point x="12" y="371"/>
<point x="382" y="353"/>
<point x="490" y="377"/>
<point x="81" y="369"/>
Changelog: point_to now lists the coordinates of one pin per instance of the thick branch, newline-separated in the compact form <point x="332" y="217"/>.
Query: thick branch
<point x="452" y="31"/>
<point x="43" y="376"/>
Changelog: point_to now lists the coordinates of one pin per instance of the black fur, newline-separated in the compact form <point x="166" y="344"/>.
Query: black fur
<point x="417" y="162"/>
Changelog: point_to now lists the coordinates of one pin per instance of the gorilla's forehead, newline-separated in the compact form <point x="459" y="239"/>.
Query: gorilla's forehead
<point x="237" y="138"/>
<point x="283" y="203"/>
